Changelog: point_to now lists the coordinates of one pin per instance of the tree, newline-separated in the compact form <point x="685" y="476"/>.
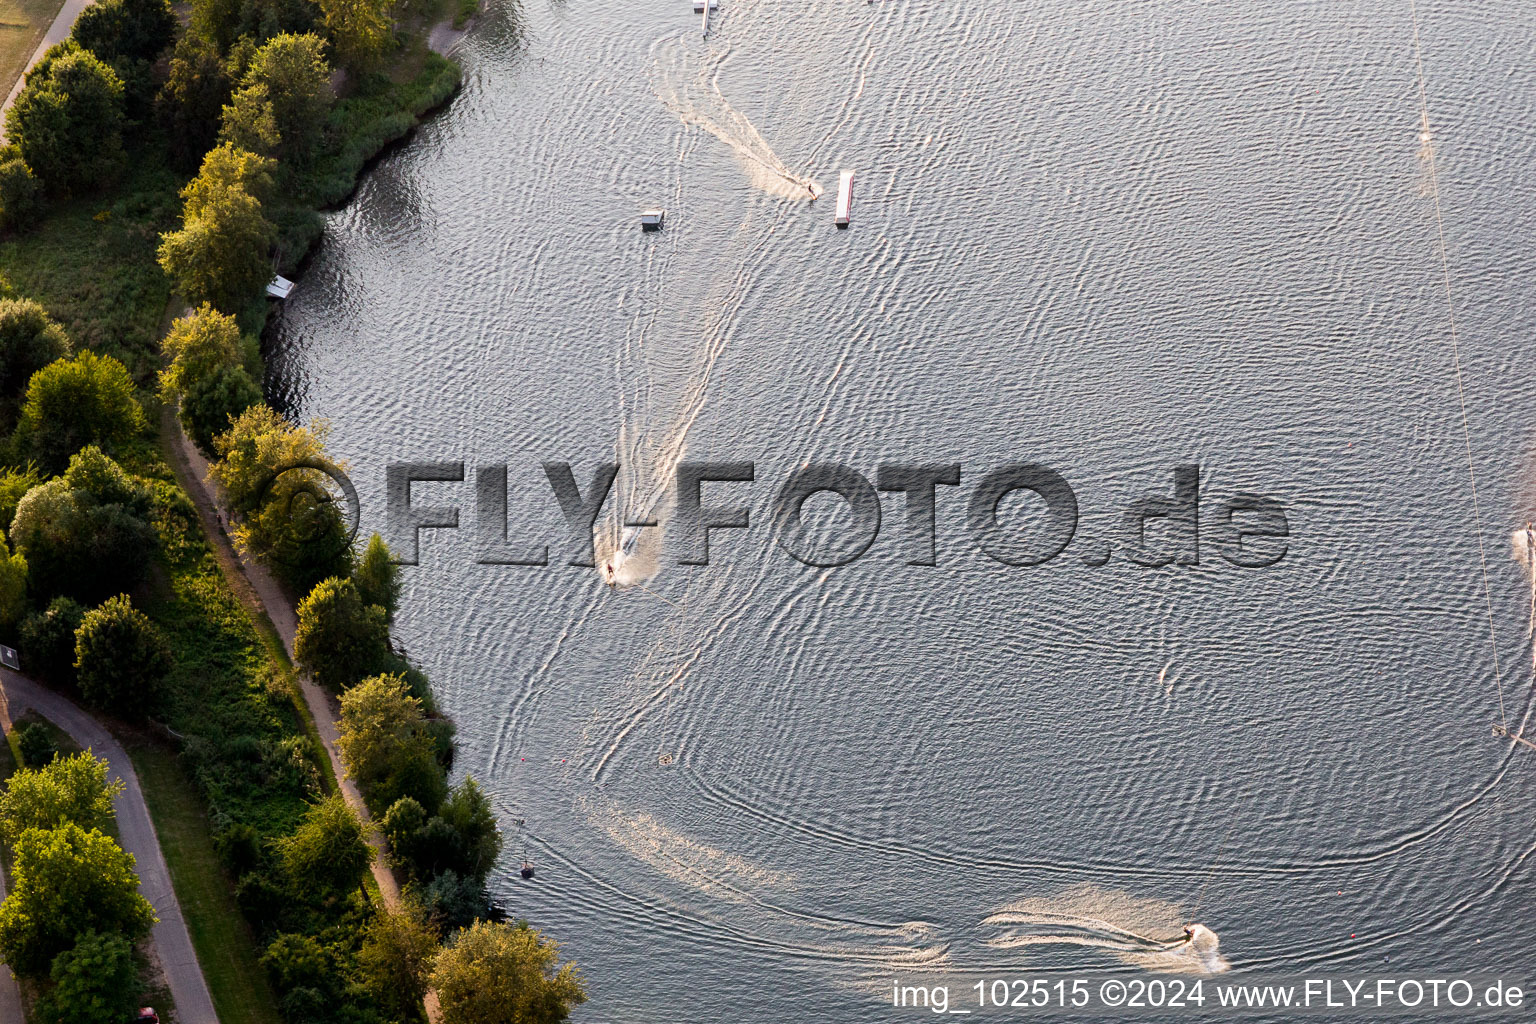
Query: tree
<point x="455" y="902"/>
<point x="35" y="744"/>
<point x="360" y="30"/>
<point x="13" y="588"/>
<point x="249" y="120"/>
<point x="469" y="813"/>
<point x="120" y="658"/>
<point x="20" y="195"/>
<point x="500" y="974"/>
<point x="137" y="30"/>
<point x="75" y="402"/>
<point x="14" y="485"/>
<point x="378" y="577"/>
<point x="287" y="516"/>
<point x="211" y="405"/>
<point x="29" y="341"/>
<point x="293" y="70"/>
<point x="195" y="91"/>
<point x="48" y="641"/>
<point x="70" y="790"/>
<point x="68" y="120"/>
<point x="93" y="982"/>
<point x="67" y="881"/>
<point x="396" y="957"/>
<point x="386" y="744"/>
<point x="85" y="533"/>
<point x="327" y="852"/>
<point x="219" y="255"/>
<point x="201" y="343"/>
<point x="340" y="640"/>
<point x="226" y="167"/>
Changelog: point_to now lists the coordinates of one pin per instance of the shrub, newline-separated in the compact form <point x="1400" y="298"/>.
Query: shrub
<point x="378" y="577"/>
<point x="71" y="403"/>
<point x="14" y="484"/>
<point x="13" y="589"/>
<point x="48" y="641"/>
<point x="455" y="902"/>
<point x="120" y="658"/>
<point x="21" y="202"/>
<point x="95" y="981"/>
<point x="327" y="854"/>
<point x="37" y="746"/>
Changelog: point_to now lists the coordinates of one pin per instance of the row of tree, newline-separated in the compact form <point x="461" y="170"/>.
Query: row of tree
<point x="74" y="911"/>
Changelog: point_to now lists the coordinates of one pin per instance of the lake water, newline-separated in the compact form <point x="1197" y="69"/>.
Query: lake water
<point x="1110" y="238"/>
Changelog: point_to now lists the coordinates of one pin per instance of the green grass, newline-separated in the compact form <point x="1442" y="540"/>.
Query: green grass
<point x="23" y="23"/>
<point x="225" y="949"/>
<point x="92" y="265"/>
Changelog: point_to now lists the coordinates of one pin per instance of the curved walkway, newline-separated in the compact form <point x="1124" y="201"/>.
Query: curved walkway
<point x="182" y="974"/>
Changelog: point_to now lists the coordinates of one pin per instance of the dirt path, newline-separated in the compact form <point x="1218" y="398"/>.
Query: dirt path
<point x="172" y="942"/>
<point x="256" y="588"/>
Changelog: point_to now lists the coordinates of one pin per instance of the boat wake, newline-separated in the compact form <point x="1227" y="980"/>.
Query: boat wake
<point x="695" y="97"/>
<point x="1147" y="934"/>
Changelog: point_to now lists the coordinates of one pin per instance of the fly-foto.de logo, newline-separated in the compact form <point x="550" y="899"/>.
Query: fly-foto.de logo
<point x="710" y="500"/>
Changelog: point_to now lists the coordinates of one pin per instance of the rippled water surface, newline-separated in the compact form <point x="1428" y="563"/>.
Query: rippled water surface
<point x="1112" y="238"/>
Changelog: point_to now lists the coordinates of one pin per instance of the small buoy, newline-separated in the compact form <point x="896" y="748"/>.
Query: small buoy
<point x="527" y="870"/>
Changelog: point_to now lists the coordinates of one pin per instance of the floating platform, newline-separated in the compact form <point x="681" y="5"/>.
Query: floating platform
<point x="844" y="212"/>
<point x="652" y="220"/>
<point x="279" y="288"/>
<point x="698" y="6"/>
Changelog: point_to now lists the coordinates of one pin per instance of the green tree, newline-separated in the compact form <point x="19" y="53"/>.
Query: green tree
<point x="286" y="515"/>
<point x="469" y="814"/>
<point x="36" y="745"/>
<point x="219" y="255"/>
<point x="95" y="981"/>
<point x="137" y="30"/>
<point x="385" y="743"/>
<point x="199" y="344"/>
<point x="396" y="958"/>
<point x="225" y="167"/>
<point x="328" y="852"/>
<point x="70" y="790"/>
<point x="340" y="640"/>
<point x="66" y="881"/>
<point x="68" y="120"/>
<point x="13" y="588"/>
<point x="360" y="30"/>
<point x="293" y="70"/>
<point x="120" y="658"/>
<point x="500" y="974"/>
<point x="378" y="577"/>
<point x="189" y="104"/>
<point x="29" y="341"/>
<point x="48" y="641"/>
<point x="71" y="403"/>
<point x="211" y="405"/>
<point x="86" y="533"/>
<point x="21" y="203"/>
<point x="14" y="485"/>
<point x="249" y="120"/>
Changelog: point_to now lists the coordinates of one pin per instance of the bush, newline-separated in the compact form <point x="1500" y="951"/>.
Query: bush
<point x="120" y="658"/>
<point x="29" y="338"/>
<point x="37" y="746"/>
<point x="13" y="589"/>
<point x="95" y="981"/>
<point x="339" y="639"/>
<point x="21" y="202"/>
<point x="68" y="120"/>
<point x="14" y="484"/>
<point x="378" y="577"/>
<point x="75" y="402"/>
<point x="327" y="854"/>
<point x="48" y="641"/>
<point x="455" y="902"/>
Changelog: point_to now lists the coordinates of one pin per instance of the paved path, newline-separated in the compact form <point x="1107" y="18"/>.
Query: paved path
<point x="172" y="943"/>
<point x="59" y="31"/>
